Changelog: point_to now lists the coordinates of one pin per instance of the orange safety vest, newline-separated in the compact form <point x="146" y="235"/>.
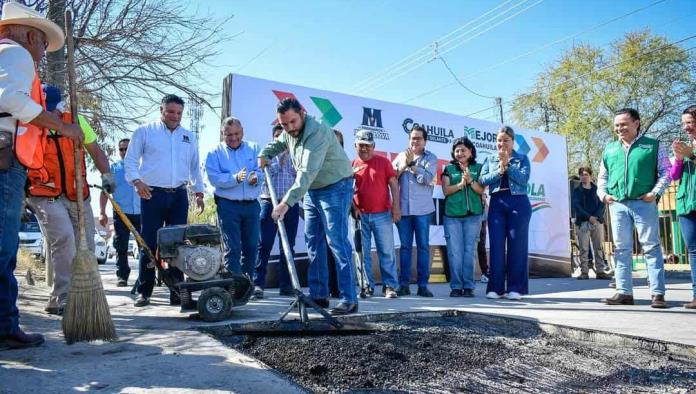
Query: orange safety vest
<point x="29" y="140"/>
<point x="58" y="168"/>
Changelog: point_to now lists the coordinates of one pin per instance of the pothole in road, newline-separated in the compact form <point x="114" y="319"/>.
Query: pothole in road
<point x="444" y="354"/>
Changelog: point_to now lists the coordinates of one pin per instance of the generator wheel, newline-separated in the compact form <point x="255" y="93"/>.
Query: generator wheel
<point x="214" y="304"/>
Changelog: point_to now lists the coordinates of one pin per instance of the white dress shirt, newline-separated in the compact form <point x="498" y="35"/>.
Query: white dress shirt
<point x="163" y="158"/>
<point x="16" y="78"/>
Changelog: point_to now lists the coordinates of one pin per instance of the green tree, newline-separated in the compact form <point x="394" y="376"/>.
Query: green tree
<point x="577" y="96"/>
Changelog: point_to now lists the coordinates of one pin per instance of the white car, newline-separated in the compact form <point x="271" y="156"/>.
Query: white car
<point x="31" y="239"/>
<point x="133" y="249"/>
<point x="101" y="249"/>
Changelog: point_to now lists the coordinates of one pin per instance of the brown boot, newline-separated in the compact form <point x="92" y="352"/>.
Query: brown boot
<point x="658" y="301"/>
<point x="619" y="299"/>
<point x="690" y="305"/>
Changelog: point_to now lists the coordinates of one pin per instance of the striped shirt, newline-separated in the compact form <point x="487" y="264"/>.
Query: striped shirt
<point x="282" y="176"/>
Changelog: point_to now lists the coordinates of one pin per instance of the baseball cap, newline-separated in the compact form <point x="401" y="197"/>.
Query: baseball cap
<point x="363" y="136"/>
<point x="53" y="98"/>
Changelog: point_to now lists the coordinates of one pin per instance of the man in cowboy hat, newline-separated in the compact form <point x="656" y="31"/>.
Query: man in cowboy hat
<point x="24" y="37"/>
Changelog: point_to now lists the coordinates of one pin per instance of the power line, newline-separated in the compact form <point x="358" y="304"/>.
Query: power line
<point x="426" y="49"/>
<point x="460" y="82"/>
<point x="538" y="49"/>
<point x="391" y="74"/>
<point x="422" y="51"/>
<point x="621" y="62"/>
<point x="467" y="39"/>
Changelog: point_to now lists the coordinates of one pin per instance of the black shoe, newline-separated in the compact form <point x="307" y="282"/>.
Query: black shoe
<point x="20" y="340"/>
<point x="344" y="309"/>
<point x="424" y="292"/>
<point x="583" y="277"/>
<point x="322" y="302"/>
<point x="122" y="283"/>
<point x="403" y="291"/>
<point x="456" y="293"/>
<point x="257" y="294"/>
<point x="619" y="299"/>
<point x="467" y="292"/>
<point x="658" y="301"/>
<point x="603" y="275"/>
<point x="174" y="299"/>
<point x="55" y="310"/>
<point x="287" y="292"/>
<point x="142" y="301"/>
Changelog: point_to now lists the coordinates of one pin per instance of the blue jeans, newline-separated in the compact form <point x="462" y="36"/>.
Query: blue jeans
<point x="268" y="230"/>
<point x="508" y="233"/>
<point x="239" y="222"/>
<point x="11" y="197"/>
<point x="380" y="225"/>
<point x="164" y="208"/>
<point x="326" y="218"/>
<point x="461" y="235"/>
<point x="407" y="226"/>
<point x="688" y="230"/>
<point x="643" y="215"/>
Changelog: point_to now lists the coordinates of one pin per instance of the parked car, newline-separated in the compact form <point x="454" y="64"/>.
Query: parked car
<point x="31" y="239"/>
<point x="133" y="249"/>
<point x="101" y="249"/>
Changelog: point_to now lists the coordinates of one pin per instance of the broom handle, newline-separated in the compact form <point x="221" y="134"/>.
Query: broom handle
<point x="79" y="183"/>
<point x="130" y="226"/>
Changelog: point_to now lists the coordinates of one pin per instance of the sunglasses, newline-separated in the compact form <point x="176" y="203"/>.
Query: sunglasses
<point x="122" y="149"/>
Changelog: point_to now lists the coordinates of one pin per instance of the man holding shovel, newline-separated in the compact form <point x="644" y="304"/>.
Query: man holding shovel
<point x="325" y="180"/>
<point x="54" y="198"/>
<point x="24" y="37"/>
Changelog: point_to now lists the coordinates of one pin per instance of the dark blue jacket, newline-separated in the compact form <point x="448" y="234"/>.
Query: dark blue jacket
<point x="586" y="203"/>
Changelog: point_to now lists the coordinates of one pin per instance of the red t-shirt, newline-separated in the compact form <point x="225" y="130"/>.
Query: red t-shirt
<point x="372" y="184"/>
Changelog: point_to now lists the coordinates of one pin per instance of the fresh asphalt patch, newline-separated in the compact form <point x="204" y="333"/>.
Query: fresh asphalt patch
<point x="458" y="353"/>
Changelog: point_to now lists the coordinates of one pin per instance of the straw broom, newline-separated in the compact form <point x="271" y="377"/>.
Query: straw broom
<point x="86" y="316"/>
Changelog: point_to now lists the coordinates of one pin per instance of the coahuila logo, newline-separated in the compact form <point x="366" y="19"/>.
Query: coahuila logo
<point x="329" y="113"/>
<point x="537" y="196"/>
<point x="435" y="133"/>
<point x="482" y="139"/>
<point x="372" y="120"/>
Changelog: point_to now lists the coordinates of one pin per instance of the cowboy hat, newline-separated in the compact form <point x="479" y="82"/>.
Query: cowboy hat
<point x="17" y="14"/>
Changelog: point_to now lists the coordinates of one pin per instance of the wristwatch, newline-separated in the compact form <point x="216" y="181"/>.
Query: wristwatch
<point x="411" y="163"/>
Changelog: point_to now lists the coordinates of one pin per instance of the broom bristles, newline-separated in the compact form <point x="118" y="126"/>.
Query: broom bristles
<point x="86" y="316"/>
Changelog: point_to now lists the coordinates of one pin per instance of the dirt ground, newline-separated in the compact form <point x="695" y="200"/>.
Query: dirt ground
<point x="453" y="354"/>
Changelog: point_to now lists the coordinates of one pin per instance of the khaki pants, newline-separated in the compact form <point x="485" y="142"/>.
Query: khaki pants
<point x="58" y="217"/>
<point x="591" y="233"/>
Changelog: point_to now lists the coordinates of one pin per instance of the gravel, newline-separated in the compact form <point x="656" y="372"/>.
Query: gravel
<point x="455" y="354"/>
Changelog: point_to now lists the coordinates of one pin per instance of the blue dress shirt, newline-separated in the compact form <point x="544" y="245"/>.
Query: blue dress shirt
<point x="125" y="195"/>
<point x="222" y="165"/>
<point x="163" y="158"/>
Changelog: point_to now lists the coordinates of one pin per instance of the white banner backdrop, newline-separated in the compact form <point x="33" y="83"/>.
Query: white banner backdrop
<point x="254" y="100"/>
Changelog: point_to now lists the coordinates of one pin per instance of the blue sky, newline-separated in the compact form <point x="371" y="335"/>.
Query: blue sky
<point x="345" y="45"/>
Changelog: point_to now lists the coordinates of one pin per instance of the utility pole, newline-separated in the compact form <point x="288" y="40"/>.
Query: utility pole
<point x="499" y="103"/>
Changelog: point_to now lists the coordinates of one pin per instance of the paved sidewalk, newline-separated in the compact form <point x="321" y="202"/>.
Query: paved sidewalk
<point x="161" y="351"/>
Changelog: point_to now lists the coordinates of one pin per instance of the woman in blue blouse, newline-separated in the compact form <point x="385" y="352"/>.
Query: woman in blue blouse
<point x="506" y="174"/>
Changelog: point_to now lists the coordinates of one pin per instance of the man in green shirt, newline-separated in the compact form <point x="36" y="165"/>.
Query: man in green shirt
<point x="634" y="171"/>
<point x="325" y="180"/>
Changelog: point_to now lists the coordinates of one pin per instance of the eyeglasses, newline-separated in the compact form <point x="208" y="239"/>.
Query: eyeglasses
<point x="122" y="149"/>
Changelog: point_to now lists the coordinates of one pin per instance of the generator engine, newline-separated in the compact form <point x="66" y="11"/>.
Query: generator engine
<point x="195" y="249"/>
